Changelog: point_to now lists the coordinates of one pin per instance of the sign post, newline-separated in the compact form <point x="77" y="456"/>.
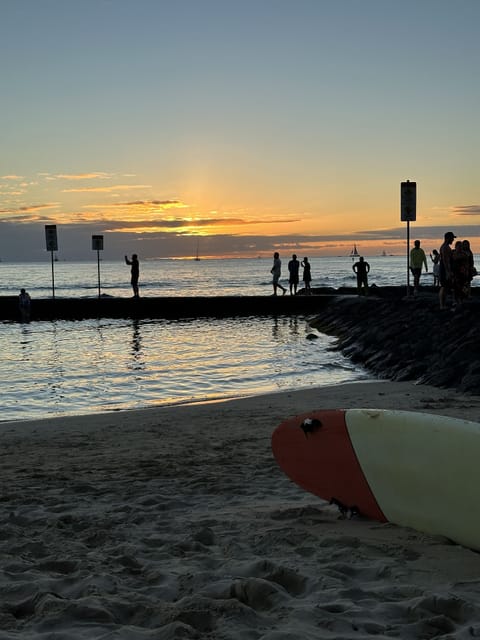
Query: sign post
<point x="97" y="245"/>
<point x="52" y="246"/>
<point x="408" y="213"/>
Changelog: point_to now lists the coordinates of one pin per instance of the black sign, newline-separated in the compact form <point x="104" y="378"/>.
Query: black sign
<point x="408" y="198"/>
<point x="97" y="243"/>
<point x="51" y="237"/>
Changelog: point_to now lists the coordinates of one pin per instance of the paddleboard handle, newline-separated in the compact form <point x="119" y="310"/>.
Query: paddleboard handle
<point x="310" y="425"/>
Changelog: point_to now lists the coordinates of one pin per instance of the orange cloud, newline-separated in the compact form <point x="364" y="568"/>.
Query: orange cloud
<point x="190" y="226"/>
<point x="146" y="203"/>
<point x="84" y="176"/>
<point x="117" y="187"/>
<point x="30" y="208"/>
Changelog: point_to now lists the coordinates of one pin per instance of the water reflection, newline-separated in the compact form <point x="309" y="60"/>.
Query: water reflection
<point x="55" y="372"/>
<point x="26" y="342"/>
<point x="138" y="358"/>
<point x="285" y="327"/>
<point x="81" y="367"/>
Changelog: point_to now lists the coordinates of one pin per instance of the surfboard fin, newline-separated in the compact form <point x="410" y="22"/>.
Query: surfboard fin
<point x="345" y="512"/>
<point x="310" y="425"/>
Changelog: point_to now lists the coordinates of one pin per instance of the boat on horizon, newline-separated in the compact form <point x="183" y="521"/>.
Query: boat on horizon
<point x="354" y="253"/>
<point x="197" y="257"/>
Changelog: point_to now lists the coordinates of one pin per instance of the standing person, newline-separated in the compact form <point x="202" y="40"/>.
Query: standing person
<point x="417" y="259"/>
<point x="276" y="270"/>
<point x="472" y="272"/>
<point x="461" y="272"/>
<point x="446" y="268"/>
<point x="24" y="302"/>
<point x="435" y="258"/>
<point x="307" y="276"/>
<point x="135" y="271"/>
<point x="293" y="269"/>
<point x="362" y="269"/>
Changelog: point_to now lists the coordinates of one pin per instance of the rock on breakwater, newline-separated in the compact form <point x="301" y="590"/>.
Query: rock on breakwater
<point x="408" y="339"/>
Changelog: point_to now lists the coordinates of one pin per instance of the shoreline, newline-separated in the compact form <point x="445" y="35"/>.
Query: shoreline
<point x="180" y="403"/>
<point x="176" y="521"/>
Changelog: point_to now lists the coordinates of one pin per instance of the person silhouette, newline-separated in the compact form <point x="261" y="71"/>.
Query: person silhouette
<point x="293" y="269"/>
<point x="276" y="271"/>
<point x="135" y="273"/>
<point x="417" y="261"/>
<point x="446" y="268"/>
<point x="307" y="276"/>
<point x="24" y="303"/>
<point x="435" y="258"/>
<point x="361" y="269"/>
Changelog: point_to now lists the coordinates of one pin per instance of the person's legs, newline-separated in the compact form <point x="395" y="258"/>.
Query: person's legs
<point x="365" y="285"/>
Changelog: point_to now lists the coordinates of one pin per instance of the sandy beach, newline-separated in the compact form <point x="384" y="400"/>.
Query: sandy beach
<point x="176" y="522"/>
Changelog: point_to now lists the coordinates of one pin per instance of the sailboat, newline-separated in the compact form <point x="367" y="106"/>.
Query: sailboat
<point x="197" y="257"/>
<point x="354" y="253"/>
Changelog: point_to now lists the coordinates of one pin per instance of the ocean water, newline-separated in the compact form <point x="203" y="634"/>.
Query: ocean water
<point x="80" y="367"/>
<point x="187" y="277"/>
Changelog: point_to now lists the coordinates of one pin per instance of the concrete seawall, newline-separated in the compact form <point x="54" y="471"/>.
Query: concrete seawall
<point x="171" y="308"/>
<point x="196" y="307"/>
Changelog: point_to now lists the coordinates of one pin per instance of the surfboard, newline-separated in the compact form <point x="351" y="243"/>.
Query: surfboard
<point x="412" y="469"/>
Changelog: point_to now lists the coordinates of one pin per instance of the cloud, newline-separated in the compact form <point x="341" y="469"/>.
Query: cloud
<point x="117" y="187"/>
<point x="13" y="177"/>
<point x="26" y="241"/>
<point x="146" y="203"/>
<point x="101" y="175"/>
<point x="466" y="210"/>
<point x="32" y="208"/>
<point x="189" y="225"/>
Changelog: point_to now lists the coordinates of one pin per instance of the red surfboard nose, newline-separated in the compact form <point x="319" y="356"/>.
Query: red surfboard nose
<point x="315" y="451"/>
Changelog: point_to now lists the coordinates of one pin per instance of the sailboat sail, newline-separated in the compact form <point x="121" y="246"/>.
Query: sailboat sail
<point x="197" y="257"/>
<point x="354" y="253"/>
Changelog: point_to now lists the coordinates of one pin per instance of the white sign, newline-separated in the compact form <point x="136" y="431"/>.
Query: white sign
<point x="408" y="201"/>
<point x="97" y="243"/>
<point x="51" y="237"/>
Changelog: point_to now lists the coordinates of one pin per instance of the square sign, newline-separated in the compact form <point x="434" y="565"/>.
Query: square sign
<point x="408" y="201"/>
<point x="51" y="237"/>
<point x="97" y="243"/>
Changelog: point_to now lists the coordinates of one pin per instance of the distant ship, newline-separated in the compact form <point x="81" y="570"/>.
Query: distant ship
<point x="197" y="257"/>
<point x="354" y="253"/>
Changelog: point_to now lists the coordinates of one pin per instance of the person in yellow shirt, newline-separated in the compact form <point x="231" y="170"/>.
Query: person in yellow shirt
<point x="417" y="260"/>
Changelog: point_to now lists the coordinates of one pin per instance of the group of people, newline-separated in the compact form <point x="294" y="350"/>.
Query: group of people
<point x="360" y="268"/>
<point x="293" y="274"/>
<point x="453" y="269"/>
<point x="456" y="270"/>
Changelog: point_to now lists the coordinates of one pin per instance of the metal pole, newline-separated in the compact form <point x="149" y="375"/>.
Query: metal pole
<point x="98" y="269"/>
<point x="408" y="258"/>
<point x="53" y="277"/>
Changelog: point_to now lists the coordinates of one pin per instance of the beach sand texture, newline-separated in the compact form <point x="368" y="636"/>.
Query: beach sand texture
<point x="176" y="522"/>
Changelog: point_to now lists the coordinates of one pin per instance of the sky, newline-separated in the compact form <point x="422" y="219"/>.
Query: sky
<point x="236" y="127"/>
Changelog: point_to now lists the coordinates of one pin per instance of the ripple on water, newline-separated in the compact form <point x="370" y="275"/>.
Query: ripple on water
<point x="60" y="368"/>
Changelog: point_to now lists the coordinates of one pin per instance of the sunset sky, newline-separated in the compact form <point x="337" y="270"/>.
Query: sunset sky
<point x="259" y="125"/>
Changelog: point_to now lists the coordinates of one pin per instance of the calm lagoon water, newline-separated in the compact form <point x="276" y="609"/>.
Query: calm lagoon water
<point x="60" y="368"/>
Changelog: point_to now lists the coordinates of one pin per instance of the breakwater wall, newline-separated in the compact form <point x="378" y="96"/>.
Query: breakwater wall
<point x="408" y="338"/>
<point x="183" y="307"/>
<point x="170" y="308"/>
